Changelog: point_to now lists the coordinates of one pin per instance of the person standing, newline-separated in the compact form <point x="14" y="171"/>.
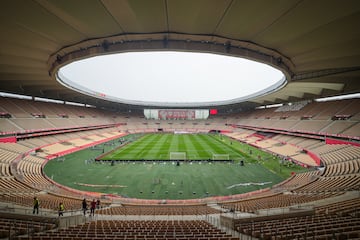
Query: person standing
<point x="61" y="209"/>
<point x="84" y="206"/>
<point x="36" y="205"/>
<point x="98" y="204"/>
<point x="92" y="207"/>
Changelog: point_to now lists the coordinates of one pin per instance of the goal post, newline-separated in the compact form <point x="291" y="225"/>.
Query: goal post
<point x="177" y="155"/>
<point x="220" y="156"/>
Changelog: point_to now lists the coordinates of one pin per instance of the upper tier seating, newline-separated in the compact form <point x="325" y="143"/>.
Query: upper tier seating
<point x="318" y="118"/>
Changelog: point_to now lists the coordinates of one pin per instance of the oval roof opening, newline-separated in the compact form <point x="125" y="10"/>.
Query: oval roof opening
<point x="171" y="79"/>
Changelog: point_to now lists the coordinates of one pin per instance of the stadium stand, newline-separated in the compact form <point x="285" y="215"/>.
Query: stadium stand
<point x="157" y="229"/>
<point x="306" y="227"/>
<point x="314" y="43"/>
<point x="336" y="176"/>
<point x="160" y="210"/>
<point x="12" y="225"/>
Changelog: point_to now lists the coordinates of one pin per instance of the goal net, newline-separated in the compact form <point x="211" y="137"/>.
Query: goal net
<point x="177" y="155"/>
<point x="220" y="156"/>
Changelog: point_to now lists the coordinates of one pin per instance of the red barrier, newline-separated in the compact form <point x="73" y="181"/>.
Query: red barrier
<point x="315" y="157"/>
<point x="8" y="139"/>
<point x="337" y="141"/>
<point x="225" y="131"/>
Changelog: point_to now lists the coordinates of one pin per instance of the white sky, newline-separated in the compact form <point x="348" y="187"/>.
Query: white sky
<point x="172" y="77"/>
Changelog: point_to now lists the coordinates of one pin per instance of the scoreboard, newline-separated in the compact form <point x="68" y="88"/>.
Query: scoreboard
<point x="176" y="114"/>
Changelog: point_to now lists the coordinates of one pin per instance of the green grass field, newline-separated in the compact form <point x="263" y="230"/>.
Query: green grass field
<point x="165" y="180"/>
<point x="159" y="147"/>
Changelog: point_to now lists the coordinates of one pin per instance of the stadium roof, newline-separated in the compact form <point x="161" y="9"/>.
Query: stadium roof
<point x="315" y="43"/>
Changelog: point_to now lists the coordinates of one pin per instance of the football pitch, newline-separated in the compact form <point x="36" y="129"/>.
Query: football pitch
<point x="164" y="179"/>
<point x="175" y="146"/>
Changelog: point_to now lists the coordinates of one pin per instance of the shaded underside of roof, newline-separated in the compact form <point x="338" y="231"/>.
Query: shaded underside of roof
<point x="315" y="43"/>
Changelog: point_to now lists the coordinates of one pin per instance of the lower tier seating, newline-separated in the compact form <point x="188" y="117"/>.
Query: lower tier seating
<point x="160" y="210"/>
<point x="131" y="229"/>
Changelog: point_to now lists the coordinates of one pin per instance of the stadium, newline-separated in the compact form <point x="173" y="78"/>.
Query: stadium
<point x="281" y="162"/>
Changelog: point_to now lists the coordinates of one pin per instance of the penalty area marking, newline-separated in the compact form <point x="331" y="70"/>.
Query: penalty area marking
<point x="248" y="184"/>
<point x="98" y="185"/>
